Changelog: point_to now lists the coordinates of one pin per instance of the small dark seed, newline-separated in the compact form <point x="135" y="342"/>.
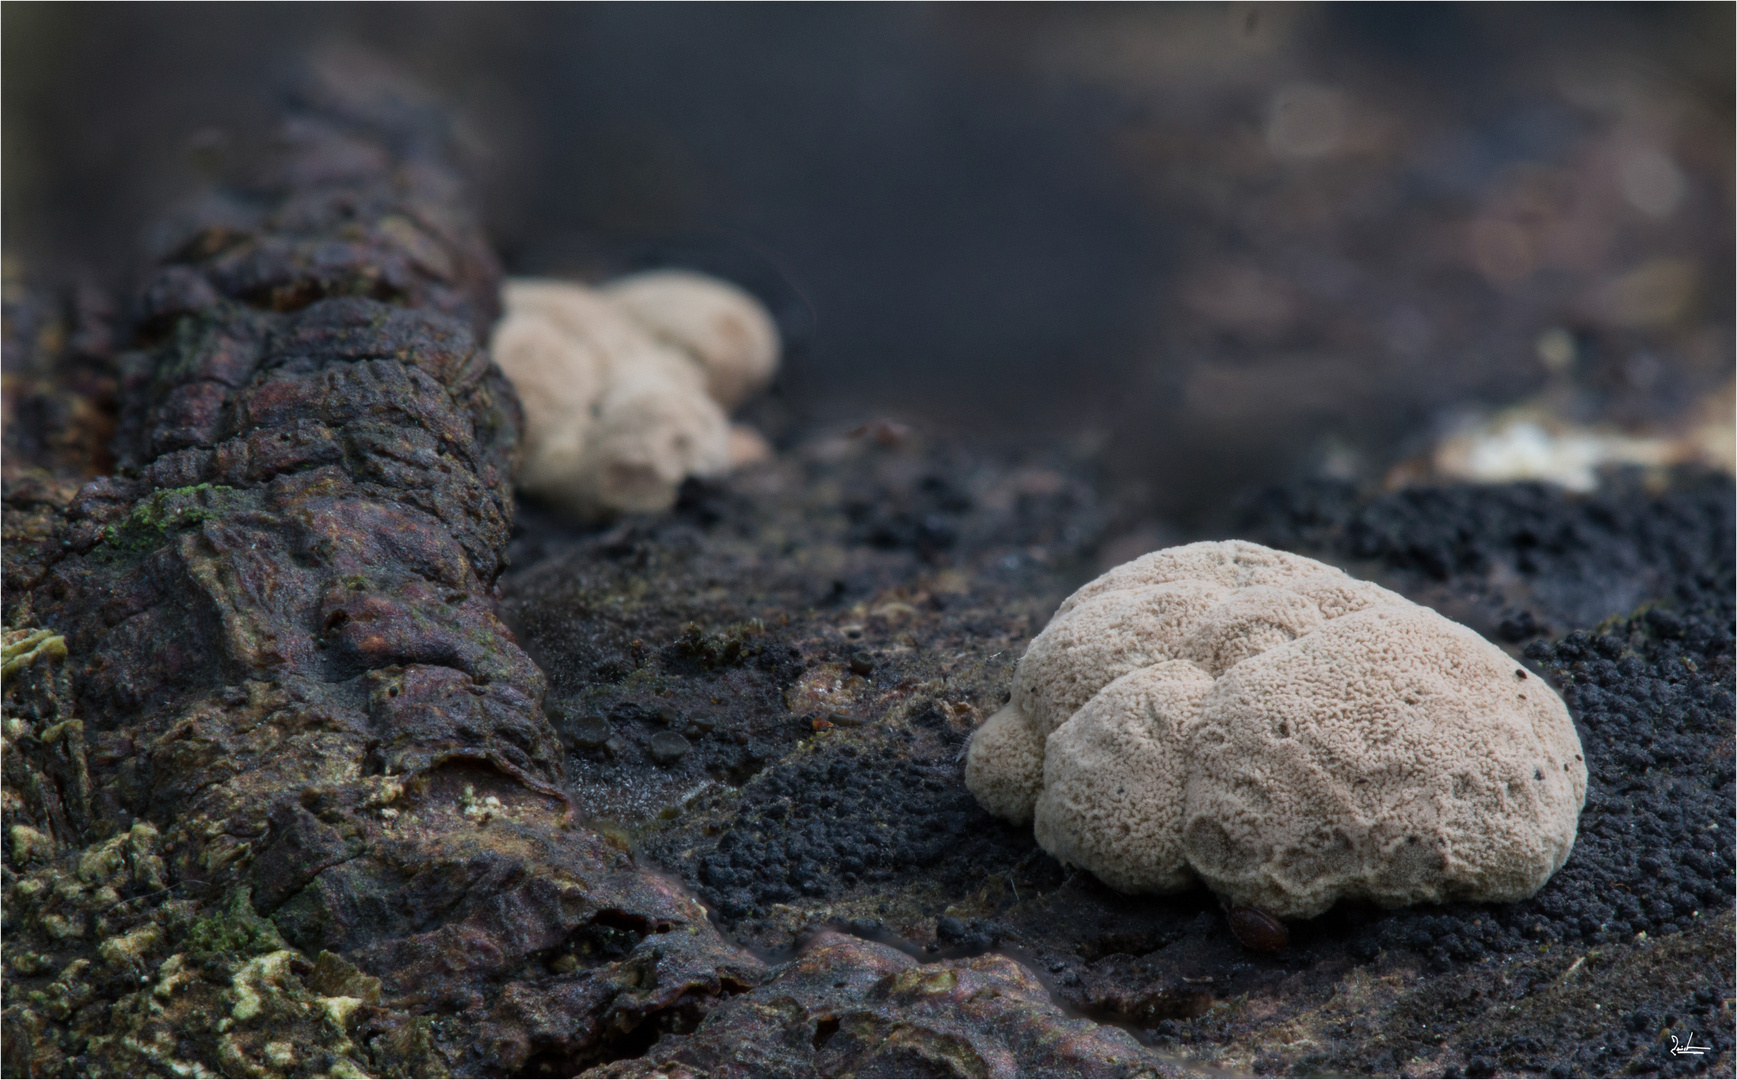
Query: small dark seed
<point x="668" y="715"/>
<point x="862" y="665"/>
<point x="1256" y="929"/>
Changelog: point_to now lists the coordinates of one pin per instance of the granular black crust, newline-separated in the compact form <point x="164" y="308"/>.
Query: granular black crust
<point x="843" y="817"/>
<point x="1652" y="696"/>
<point x="854" y="815"/>
<point x="1650" y="693"/>
<point x="1523" y="560"/>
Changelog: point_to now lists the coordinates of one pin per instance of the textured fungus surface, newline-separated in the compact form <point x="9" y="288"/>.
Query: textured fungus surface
<point x="1290" y="734"/>
<point x="1651" y="690"/>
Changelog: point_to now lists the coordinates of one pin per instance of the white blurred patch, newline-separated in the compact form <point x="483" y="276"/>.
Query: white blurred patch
<point x="1519" y="448"/>
<point x="626" y="388"/>
<point x="1529" y="443"/>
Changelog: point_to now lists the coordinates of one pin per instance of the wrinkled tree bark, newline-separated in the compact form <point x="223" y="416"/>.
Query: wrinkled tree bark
<point x="291" y="694"/>
<point x="280" y="795"/>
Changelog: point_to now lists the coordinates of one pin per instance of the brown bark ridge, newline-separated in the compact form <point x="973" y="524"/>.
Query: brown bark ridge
<point x="258" y="671"/>
<point x="280" y="795"/>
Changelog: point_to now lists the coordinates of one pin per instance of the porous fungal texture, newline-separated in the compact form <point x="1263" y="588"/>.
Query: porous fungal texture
<point x="626" y="388"/>
<point x="1283" y="732"/>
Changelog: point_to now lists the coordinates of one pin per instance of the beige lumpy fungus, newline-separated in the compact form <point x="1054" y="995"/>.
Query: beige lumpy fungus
<point x="728" y="331"/>
<point x="626" y="388"/>
<point x="1283" y="732"/>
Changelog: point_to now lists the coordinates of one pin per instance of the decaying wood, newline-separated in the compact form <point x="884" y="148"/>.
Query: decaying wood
<point x="281" y="797"/>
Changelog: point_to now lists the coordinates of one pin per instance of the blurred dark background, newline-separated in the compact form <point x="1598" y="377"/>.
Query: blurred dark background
<point x="1209" y="244"/>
